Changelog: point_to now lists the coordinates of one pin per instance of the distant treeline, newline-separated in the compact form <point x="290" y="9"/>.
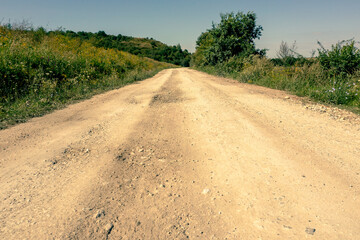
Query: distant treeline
<point x="145" y="47"/>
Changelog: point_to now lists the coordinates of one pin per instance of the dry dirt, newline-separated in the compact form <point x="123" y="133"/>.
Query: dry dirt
<point x="183" y="155"/>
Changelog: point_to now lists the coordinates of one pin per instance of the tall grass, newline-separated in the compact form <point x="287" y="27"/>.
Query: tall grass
<point x="310" y="80"/>
<point x="40" y="72"/>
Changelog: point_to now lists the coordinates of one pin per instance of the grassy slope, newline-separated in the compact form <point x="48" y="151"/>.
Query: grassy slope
<point x="40" y="73"/>
<point x="138" y="46"/>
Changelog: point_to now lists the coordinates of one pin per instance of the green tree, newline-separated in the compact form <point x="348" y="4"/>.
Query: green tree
<point x="202" y="54"/>
<point x="234" y="36"/>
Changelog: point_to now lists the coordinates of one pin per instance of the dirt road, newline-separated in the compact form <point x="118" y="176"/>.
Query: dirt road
<point x="183" y="155"/>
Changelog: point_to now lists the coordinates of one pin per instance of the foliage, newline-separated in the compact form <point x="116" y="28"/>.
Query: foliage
<point x="234" y="36"/>
<point x="293" y="61"/>
<point x="144" y="47"/>
<point x="343" y="58"/>
<point x="228" y="50"/>
<point x="40" y="71"/>
<point x="310" y="80"/>
<point x="287" y="56"/>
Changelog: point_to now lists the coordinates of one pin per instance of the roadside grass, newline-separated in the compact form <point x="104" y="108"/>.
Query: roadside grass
<point x="40" y="73"/>
<point x="309" y="80"/>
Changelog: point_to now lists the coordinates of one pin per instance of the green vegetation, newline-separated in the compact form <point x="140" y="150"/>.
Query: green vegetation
<point x="332" y="77"/>
<point x="231" y="39"/>
<point x="41" y="71"/>
<point x="144" y="47"/>
<point x="342" y="60"/>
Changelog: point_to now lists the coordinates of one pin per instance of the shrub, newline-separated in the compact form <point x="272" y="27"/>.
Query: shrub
<point x="342" y="60"/>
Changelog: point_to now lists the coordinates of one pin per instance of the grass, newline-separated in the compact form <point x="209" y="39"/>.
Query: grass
<point x="41" y="72"/>
<point x="309" y="80"/>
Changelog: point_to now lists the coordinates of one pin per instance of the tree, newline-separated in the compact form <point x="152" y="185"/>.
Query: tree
<point x="286" y="50"/>
<point x="101" y="34"/>
<point x="234" y="36"/>
<point x="287" y="54"/>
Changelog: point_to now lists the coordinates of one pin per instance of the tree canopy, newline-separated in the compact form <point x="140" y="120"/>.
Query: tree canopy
<point x="234" y="36"/>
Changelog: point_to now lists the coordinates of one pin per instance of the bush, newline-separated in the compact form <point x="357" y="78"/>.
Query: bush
<point x="342" y="60"/>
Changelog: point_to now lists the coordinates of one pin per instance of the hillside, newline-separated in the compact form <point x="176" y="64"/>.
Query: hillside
<point x="145" y="47"/>
<point x="41" y="71"/>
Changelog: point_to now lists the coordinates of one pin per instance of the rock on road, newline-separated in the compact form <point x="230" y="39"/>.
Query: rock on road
<point x="182" y="155"/>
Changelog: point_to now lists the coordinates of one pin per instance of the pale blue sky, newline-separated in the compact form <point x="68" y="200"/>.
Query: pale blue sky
<point x="174" y="21"/>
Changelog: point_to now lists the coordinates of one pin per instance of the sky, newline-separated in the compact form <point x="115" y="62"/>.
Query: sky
<point x="182" y="21"/>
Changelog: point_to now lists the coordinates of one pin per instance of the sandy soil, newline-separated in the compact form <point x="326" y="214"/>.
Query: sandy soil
<point x="183" y="155"/>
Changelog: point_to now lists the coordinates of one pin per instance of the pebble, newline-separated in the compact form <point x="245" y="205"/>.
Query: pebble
<point x="99" y="214"/>
<point x="206" y="191"/>
<point x="310" y="231"/>
<point x="108" y="227"/>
